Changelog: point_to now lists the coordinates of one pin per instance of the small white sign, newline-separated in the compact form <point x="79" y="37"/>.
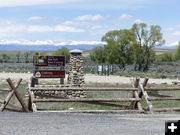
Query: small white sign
<point x="100" y="68"/>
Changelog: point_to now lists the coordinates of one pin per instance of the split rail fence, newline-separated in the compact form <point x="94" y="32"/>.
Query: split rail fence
<point x="139" y="90"/>
<point x="141" y="93"/>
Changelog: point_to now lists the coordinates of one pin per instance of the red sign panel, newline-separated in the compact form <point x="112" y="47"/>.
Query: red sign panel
<point x="49" y="66"/>
<point x="50" y="61"/>
<point x="50" y="74"/>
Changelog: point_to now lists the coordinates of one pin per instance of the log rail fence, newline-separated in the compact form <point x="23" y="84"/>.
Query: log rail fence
<point x="139" y="90"/>
<point x="140" y="93"/>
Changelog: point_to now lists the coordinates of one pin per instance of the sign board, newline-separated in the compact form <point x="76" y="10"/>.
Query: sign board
<point x="49" y="66"/>
<point x="106" y="68"/>
<point x="99" y="68"/>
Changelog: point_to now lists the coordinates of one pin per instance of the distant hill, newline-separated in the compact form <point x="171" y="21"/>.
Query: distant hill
<point x="167" y="47"/>
<point x="15" y="47"/>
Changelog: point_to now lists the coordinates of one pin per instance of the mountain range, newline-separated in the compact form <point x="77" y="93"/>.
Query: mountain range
<point x="16" y="47"/>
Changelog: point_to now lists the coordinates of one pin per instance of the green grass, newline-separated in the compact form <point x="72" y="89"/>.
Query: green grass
<point x="105" y="94"/>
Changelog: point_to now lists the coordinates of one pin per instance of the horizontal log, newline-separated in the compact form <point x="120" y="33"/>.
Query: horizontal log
<point x="165" y="98"/>
<point x="88" y="100"/>
<point x="158" y="95"/>
<point x="84" y="88"/>
<point x="5" y="89"/>
<point x="13" y="109"/>
<point x="161" y="89"/>
<point x="166" y="109"/>
<point x="97" y="111"/>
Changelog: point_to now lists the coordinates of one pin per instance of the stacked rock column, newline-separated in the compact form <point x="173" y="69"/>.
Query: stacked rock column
<point x="76" y="73"/>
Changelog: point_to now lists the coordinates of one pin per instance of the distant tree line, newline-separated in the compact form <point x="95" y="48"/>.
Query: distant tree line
<point x="169" y="57"/>
<point x="130" y="46"/>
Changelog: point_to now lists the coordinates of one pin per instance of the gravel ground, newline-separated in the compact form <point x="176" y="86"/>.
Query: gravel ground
<point x="90" y="78"/>
<point x="54" y="123"/>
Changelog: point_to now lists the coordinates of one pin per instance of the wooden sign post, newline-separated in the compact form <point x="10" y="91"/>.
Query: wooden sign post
<point x="49" y="67"/>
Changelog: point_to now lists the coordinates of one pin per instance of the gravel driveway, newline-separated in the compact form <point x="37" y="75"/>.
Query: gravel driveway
<point x="54" y="123"/>
<point x="90" y="78"/>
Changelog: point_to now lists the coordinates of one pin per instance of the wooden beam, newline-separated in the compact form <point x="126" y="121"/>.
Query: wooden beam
<point x="146" y="98"/>
<point x="6" y="101"/>
<point x="84" y="89"/>
<point x="31" y="104"/>
<point x="5" y="89"/>
<point x="98" y="111"/>
<point x="158" y="95"/>
<point x="89" y="100"/>
<point x="34" y="81"/>
<point x="165" y="98"/>
<point x="166" y="109"/>
<point x="162" y="89"/>
<point x="25" y="108"/>
<point x="14" y="110"/>
<point x="137" y="104"/>
<point x="145" y="82"/>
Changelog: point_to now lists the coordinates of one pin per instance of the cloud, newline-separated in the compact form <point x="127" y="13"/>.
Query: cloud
<point x="10" y="29"/>
<point x="67" y="29"/>
<point x="88" y="21"/>
<point x="13" y="3"/>
<point x="176" y="33"/>
<point x="49" y="42"/>
<point x="36" y="19"/>
<point x="138" y="21"/>
<point x="124" y="17"/>
<point x="95" y="26"/>
<point x="173" y="43"/>
<point x="56" y="28"/>
<point x="75" y="23"/>
<point x="89" y="17"/>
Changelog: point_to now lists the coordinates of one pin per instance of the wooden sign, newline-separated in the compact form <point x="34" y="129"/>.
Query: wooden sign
<point x="49" y="66"/>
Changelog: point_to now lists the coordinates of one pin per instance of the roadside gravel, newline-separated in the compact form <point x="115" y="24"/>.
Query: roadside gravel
<point x="55" y="123"/>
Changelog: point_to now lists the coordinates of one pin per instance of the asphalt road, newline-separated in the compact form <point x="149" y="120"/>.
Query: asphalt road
<point x="54" y="123"/>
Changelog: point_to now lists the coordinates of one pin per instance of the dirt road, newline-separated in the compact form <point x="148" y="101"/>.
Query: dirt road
<point x="91" y="78"/>
<point x="83" y="124"/>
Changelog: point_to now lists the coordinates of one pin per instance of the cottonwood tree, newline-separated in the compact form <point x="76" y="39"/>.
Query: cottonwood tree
<point x="98" y="54"/>
<point x="119" y="47"/>
<point x="18" y="57"/>
<point x="63" y="51"/>
<point x="5" y="58"/>
<point x="146" y="39"/>
<point x="26" y="56"/>
<point x="177" y="55"/>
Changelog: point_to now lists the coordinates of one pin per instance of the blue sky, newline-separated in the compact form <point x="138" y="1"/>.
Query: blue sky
<point x="83" y="21"/>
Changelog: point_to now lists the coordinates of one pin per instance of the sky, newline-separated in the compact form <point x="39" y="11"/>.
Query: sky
<point x="64" y="22"/>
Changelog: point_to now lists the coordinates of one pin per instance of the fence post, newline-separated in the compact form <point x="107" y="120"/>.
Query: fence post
<point x="136" y="105"/>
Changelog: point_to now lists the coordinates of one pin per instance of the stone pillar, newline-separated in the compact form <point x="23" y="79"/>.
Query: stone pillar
<point x="76" y="73"/>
